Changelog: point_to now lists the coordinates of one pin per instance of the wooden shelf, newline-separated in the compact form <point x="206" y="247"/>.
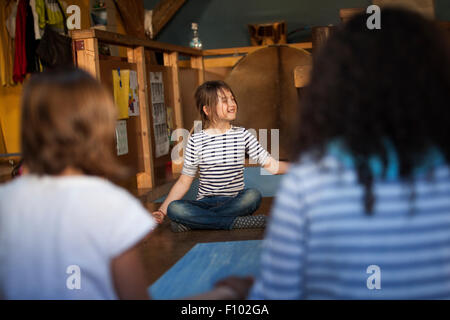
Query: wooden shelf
<point x="152" y="177"/>
<point x="130" y="41"/>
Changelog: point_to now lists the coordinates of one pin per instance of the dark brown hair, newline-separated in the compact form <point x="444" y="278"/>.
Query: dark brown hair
<point x="369" y="86"/>
<point x="207" y="95"/>
<point x="68" y="120"/>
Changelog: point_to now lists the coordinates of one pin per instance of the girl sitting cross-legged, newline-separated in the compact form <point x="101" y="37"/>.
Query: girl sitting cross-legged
<point x="219" y="153"/>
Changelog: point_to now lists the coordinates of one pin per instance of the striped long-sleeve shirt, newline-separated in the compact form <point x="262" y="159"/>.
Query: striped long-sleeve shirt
<point x="320" y="243"/>
<point x="220" y="159"/>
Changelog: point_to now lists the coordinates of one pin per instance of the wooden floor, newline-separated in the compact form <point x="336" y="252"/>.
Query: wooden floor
<point x="163" y="248"/>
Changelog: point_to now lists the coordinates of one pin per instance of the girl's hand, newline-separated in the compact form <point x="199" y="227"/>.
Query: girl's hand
<point x="159" y="216"/>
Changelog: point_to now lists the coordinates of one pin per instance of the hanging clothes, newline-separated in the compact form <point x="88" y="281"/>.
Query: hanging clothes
<point x="31" y="42"/>
<point x="6" y="44"/>
<point x="11" y="18"/>
<point x="37" y="31"/>
<point x="54" y="14"/>
<point x="20" y="56"/>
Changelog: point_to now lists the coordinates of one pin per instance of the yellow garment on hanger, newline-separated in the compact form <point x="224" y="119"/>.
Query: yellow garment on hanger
<point x="6" y="46"/>
<point x="55" y="17"/>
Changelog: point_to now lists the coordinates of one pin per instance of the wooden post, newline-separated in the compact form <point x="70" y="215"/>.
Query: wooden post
<point x="87" y="56"/>
<point x="197" y="63"/>
<point x="144" y="179"/>
<point x="171" y="61"/>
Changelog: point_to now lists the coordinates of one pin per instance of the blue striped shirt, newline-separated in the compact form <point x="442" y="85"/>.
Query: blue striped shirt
<point x="220" y="159"/>
<point x="320" y="243"/>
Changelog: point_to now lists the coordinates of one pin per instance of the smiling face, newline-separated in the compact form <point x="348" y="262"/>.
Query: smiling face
<point x="226" y="108"/>
<point x="216" y="103"/>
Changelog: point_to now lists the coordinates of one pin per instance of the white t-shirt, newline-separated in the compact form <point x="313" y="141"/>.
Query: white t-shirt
<point x="50" y="226"/>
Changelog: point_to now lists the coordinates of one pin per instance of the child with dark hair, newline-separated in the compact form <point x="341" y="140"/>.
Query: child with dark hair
<point x="218" y="151"/>
<point x="365" y="211"/>
<point x="65" y="231"/>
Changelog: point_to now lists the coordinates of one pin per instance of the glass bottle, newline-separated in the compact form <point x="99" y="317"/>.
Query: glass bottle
<point x="195" y="42"/>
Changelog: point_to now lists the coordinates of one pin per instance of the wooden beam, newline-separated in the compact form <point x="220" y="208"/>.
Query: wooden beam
<point x="246" y="50"/>
<point x="197" y="63"/>
<point x="230" y="51"/>
<point x="213" y="62"/>
<point x="221" y="62"/>
<point x="132" y="14"/>
<point x="130" y="41"/>
<point x="171" y="61"/>
<point x="301" y="45"/>
<point x="144" y="179"/>
<point x="163" y="12"/>
<point x="87" y="56"/>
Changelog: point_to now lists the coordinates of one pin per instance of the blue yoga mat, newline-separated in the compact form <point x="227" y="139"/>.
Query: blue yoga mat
<point x="205" y="264"/>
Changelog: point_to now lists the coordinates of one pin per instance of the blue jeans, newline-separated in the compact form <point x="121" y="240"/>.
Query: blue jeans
<point x="214" y="212"/>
